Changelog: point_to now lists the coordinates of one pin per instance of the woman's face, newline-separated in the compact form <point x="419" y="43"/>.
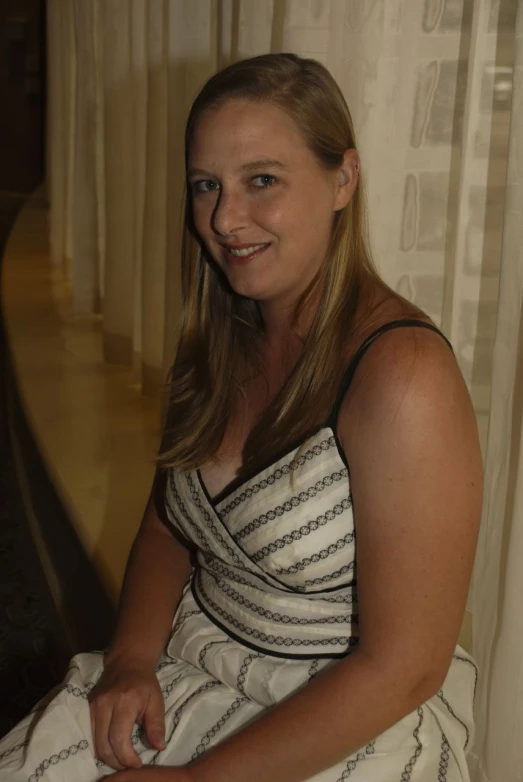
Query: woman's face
<point x="262" y="204"/>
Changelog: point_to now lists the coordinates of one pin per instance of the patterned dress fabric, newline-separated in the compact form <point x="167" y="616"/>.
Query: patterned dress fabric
<point x="271" y="602"/>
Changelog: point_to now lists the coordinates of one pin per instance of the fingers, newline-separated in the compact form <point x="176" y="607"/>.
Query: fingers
<point x="112" y="728"/>
<point x="125" y="698"/>
<point x="154" y="721"/>
<point x="120" y="729"/>
<point x="100" y="721"/>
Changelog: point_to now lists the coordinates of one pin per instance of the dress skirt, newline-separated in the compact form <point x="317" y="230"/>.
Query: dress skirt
<point x="212" y="686"/>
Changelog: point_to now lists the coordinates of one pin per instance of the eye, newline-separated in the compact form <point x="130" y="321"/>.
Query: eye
<point x="204" y="186"/>
<point x="263" y="181"/>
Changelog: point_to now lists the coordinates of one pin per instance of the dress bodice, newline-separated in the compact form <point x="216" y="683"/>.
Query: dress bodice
<point x="276" y="555"/>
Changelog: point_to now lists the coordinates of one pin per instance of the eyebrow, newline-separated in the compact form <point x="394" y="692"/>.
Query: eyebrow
<point x="256" y="165"/>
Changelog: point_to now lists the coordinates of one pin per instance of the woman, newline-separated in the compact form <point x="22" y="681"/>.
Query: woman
<point x="313" y="521"/>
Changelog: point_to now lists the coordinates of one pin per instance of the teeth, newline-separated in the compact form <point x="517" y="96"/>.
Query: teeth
<point x="246" y="251"/>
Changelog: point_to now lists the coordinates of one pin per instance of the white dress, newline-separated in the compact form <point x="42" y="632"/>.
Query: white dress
<point x="271" y="602"/>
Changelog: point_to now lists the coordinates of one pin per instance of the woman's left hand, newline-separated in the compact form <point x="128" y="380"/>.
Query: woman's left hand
<point x="152" y="774"/>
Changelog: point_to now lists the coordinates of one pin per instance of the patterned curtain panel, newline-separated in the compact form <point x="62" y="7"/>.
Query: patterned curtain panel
<point x="498" y="582"/>
<point x="435" y="89"/>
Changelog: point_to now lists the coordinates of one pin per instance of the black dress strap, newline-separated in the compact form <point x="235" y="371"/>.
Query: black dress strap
<point x="351" y="369"/>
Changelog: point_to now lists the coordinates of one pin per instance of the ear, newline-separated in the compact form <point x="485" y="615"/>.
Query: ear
<point x="346" y="179"/>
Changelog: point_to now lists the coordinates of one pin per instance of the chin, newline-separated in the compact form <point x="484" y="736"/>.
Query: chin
<point x="249" y="293"/>
<point x="256" y="292"/>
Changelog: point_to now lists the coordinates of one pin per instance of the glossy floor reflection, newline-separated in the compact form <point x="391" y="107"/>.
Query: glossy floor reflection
<point x="96" y="432"/>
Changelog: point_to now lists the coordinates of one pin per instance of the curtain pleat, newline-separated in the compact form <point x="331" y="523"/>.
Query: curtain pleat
<point x="192" y="58"/>
<point x="61" y="80"/>
<point x="120" y="163"/>
<point x="255" y="27"/>
<point x="498" y="580"/>
<point x="151" y="254"/>
<point x="141" y="12"/>
<point x="278" y="25"/>
<point x="84" y="217"/>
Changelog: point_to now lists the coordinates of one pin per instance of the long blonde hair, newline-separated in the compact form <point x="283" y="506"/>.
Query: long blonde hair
<point x="221" y="332"/>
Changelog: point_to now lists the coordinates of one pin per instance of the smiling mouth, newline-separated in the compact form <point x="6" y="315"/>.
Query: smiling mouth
<point x="243" y="254"/>
<point x="244" y="251"/>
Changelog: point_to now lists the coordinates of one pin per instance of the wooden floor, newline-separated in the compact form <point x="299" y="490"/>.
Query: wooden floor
<point x="95" y="431"/>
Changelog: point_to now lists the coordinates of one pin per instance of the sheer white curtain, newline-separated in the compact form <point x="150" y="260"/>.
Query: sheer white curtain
<point x="498" y="583"/>
<point x="429" y="84"/>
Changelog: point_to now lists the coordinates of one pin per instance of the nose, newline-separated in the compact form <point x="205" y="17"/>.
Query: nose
<point x="230" y="213"/>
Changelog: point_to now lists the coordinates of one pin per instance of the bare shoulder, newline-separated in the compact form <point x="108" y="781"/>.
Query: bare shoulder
<point x="400" y="358"/>
<point x="407" y="384"/>
<point x="408" y="404"/>
<point x="408" y="429"/>
<point x="409" y="365"/>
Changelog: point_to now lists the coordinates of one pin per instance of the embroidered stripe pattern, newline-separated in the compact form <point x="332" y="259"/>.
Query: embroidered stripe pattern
<point x="284" y="618"/>
<point x="200" y="537"/>
<point x="163" y="664"/>
<point x="166" y="691"/>
<point x="323" y="554"/>
<point x="290" y="504"/>
<point x="331" y="577"/>
<point x="218" y="567"/>
<point x="277" y="640"/>
<point x="353" y="762"/>
<point x="53" y="760"/>
<point x="253" y="575"/>
<point x="280" y="472"/>
<point x="77" y="692"/>
<point x="211" y="733"/>
<point x="407" y="772"/>
<point x="442" y="698"/>
<point x="205" y="649"/>
<point x="348" y="598"/>
<point x="247" y="662"/>
<point x="313" y="670"/>
<point x="474" y="667"/>
<point x="305" y="529"/>
<point x="444" y="759"/>
<point x="177" y="714"/>
<point x="14" y="748"/>
<point x="183" y="618"/>
<point x="210" y="523"/>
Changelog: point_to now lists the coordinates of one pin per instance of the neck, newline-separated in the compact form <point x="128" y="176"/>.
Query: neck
<point x="278" y="324"/>
<point x="281" y="324"/>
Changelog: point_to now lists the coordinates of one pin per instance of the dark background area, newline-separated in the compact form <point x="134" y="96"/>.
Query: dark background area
<point x="30" y="630"/>
<point x="22" y="94"/>
<point x="36" y="639"/>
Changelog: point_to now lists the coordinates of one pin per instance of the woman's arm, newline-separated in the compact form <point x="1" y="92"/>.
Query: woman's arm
<point x="157" y="570"/>
<point x="410" y="436"/>
<point x="128" y="691"/>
